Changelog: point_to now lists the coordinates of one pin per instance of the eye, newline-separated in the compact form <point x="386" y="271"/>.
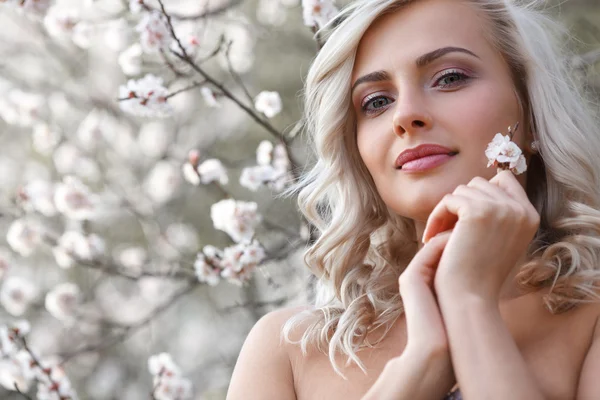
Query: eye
<point x="451" y="79"/>
<point x="377" y="102"/>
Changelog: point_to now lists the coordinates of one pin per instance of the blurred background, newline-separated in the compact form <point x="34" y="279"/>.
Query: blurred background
<point x="128" y="205"/>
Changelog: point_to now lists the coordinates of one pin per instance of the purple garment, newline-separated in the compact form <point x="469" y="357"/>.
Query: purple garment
<point x="454" y="395"/>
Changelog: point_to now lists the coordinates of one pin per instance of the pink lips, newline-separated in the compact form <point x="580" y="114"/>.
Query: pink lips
<point x="423" y="157"/>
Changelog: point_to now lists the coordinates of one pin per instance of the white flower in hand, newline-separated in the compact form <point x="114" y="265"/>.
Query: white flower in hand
<point x="505" y="154"/>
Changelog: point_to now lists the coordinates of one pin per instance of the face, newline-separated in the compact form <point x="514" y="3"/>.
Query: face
<point x="440" y="82"/>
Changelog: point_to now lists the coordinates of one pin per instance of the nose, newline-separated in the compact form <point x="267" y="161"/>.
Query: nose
<point x="411" y="115"/>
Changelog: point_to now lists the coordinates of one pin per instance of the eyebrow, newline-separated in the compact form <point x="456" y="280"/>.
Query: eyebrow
<point x="425" y="59"/>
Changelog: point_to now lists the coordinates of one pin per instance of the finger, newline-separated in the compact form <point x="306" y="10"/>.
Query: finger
<point x="473" y="192"/>
<point x="489" y="188"/>
<point x="507" y="181"/>
<point x="420" y="305"/>
<point x="424" y="263"/>
<point x="445" y="215"/>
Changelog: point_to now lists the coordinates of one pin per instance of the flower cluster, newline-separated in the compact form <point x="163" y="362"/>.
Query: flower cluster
<point x="154" y="32"/>
<point x="145" y="97"/>
<point x="504" y="154"/>
<point x="74" y="245"/>
<point x="211" y="170"/>
<point x="75" y="200"/>
<point x="169" y="383"/>
<point x="273" y="168"/>
<point x="236" y="218"/>
<point x="268" y="103"/>
<point x="26" y="367"/>
<point x="317" y="13"/>
<point x="235" y="263"/>
<point x="35" y="7"/>
<point x="62" y="301"/>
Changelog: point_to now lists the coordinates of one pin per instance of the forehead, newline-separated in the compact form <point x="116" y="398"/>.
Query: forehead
<point x="399" y="38"/>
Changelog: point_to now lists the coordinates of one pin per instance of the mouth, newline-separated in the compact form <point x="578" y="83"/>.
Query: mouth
<point x="423" y="157"/>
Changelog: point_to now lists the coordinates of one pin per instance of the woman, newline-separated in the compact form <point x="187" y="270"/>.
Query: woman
<point x="501" y="300"/>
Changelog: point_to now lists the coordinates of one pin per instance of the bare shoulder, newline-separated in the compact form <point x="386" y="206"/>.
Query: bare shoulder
<point x="263" y="369"/>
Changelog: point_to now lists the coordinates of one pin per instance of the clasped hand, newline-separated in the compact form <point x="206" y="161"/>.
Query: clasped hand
<point x="492" y="224"/>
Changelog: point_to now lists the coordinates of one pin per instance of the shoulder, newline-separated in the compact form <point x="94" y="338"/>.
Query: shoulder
<point x="589" y="386"/>
<point x="263" y="368"/>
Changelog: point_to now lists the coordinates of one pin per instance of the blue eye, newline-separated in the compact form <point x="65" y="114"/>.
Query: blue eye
<point x="451" y="79"/>
<point x="378" y="102"/>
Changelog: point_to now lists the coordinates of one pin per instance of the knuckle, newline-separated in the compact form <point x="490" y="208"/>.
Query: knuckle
<point x="477" y="181"/>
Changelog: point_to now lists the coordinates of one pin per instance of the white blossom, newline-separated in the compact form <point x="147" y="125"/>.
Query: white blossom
<point x="22" y="108"/>
<point x="154" y="139"/>
<point x="268" y="103"/>
<point x="154" y="32"/>
<point x="241" y="51"/>
<point x="83" y="34"/>
<point x="173" y="388"/>
<point x="60" y="21"/>
<point x="55" y="387"/>
<point x="145" y="97"/>
<point x="24" y="236"/>
<point x="118" y="34"/>
<point x="162" y="363"/>
<point x="65" y="158"/>
<point x="209" y="97"/>
<point x="11" y="373"/>
<point x="270" y="12"/>
<point x="45" y="138"/>
<point x="133" y="258"/>
<point x="240" y="261"/>
<point x="38" y="195"/>
<point x="130" y="60"/>
<point x="74" y="244"/>
<point x="317" y="13"/>
<point x="183" y="236"/>
<point x="62" y="301"/>
<point x="212" y="170"/>
<point x="167" y="379"/>
<point x="91" y="131"/>
<point x="236" y="218"/>
<point x="37" y="7"/>
<point x="162" y="182"/>
<point x="190" y="174"/>
<point x="6" y="261"/>
<point x="264" y="153"/>
<point x="75" y="200"/>
<point x="206" y="270"/>
<point x="502" y="151"/>
<point x="135" y="6"/>
<point x="254" y="177"/>
<point x="16" y="295"/>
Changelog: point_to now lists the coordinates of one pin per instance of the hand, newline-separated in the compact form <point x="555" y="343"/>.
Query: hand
<point x="425" y="327"/>
<point x="493" y="223"/>
<point x="424" y="369"/>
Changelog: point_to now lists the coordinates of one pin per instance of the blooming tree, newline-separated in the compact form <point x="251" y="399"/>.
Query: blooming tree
<point x="133" y="211"/>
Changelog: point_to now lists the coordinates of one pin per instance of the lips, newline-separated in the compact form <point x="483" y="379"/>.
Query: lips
<point x="422" y="151"/>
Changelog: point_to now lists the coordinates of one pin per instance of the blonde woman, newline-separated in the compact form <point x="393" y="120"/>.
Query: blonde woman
<point x="439" y="277"/>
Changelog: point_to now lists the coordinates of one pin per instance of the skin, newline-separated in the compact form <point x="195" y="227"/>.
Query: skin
<point x="484" y="218"/>
<point x="459" y="101"/>
<point x="476" y="225"/>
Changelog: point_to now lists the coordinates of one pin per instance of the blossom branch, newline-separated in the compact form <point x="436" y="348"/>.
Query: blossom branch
<point x="128" y="330"/>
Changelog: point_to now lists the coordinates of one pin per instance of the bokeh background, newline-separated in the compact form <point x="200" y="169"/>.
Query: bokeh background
<point x="60" y="116"/>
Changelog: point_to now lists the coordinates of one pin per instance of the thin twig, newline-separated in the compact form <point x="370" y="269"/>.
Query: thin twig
<point x="128" y="330"/>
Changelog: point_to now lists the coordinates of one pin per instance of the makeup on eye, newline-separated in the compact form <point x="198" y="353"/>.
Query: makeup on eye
<point x="460" y="76"/>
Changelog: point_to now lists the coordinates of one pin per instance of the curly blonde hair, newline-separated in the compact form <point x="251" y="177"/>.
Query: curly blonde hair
<point x="363" y="246"/>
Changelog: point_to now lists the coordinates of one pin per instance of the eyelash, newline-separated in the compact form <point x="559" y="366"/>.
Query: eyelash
<point x="464" y="77"/>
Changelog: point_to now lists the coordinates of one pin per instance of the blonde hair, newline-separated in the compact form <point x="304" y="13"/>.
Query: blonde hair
<point x="363" y="246"/>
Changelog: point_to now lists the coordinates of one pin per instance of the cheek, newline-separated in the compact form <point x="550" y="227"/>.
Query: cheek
<point x="482" y="111"/>
<point x="367" y="148"/>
